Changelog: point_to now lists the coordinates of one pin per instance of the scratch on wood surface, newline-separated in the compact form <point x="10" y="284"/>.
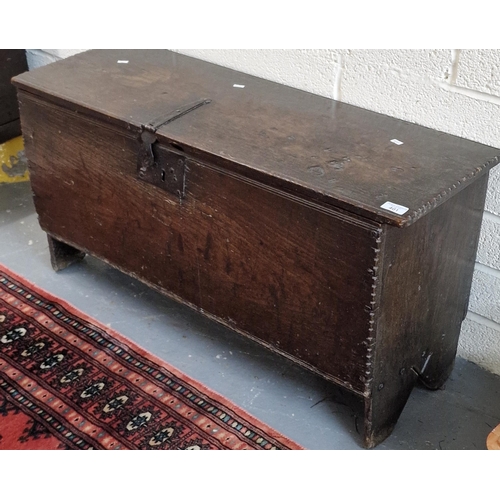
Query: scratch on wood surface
<point x="199" y="281"/>
<point x="159" y="220"/>
<point x="83" y="161"/>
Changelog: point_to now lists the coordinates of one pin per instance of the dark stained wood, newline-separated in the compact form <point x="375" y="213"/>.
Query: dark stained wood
<point x="260" y="208"/>
<point x="317" y="148"/>
<point x="231" y="249"/>
<point x="12" y="63"/>
<point x="423" y="295"/>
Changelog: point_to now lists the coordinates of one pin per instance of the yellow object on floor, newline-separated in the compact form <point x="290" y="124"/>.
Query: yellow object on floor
<point x="13" y="164"/>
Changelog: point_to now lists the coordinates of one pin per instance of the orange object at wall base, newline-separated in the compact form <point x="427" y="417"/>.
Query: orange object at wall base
<point x="493" y="442"/>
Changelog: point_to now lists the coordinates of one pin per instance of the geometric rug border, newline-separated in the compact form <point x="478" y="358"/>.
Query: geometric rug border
<point x="155" y="359"/>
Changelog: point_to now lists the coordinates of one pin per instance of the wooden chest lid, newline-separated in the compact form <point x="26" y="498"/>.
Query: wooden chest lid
<point x="316" y="148"/>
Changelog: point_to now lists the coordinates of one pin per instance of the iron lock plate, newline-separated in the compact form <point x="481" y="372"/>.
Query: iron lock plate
<point x="160" y="167"/>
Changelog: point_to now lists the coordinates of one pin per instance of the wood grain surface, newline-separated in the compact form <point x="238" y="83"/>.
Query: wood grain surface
<point x="271" y="222"/>
<point x="307" y="145"/>
<point x="423" y="296"/>
<point x="295" y="277"/>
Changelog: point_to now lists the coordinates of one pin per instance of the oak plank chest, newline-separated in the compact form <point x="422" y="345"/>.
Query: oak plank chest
<point x="340" y="238"/>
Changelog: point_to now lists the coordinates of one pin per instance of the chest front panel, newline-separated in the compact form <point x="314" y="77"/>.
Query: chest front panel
<point x="295" y="276"/>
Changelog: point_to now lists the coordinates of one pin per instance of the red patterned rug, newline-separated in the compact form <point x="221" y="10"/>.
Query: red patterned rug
<point x="67" y="382"/>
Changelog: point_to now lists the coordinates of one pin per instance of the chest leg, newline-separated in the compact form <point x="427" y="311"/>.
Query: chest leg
<point x="63" y="255"/>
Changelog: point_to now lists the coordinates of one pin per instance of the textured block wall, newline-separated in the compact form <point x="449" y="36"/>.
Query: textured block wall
<point x="451" y="90"/>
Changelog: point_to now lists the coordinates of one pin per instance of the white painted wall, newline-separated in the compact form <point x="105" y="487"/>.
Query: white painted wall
<point x="451" y="90"/>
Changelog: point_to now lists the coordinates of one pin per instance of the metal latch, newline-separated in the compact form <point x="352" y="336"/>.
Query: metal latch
<point x="165" y="169"/>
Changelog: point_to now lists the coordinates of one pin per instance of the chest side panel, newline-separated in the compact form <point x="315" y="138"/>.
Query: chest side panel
<point x="294" y="276"/>
<point x="426" y="275"/>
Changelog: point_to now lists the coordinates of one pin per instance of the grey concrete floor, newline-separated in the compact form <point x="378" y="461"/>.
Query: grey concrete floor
<point x="289" y="399"/>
